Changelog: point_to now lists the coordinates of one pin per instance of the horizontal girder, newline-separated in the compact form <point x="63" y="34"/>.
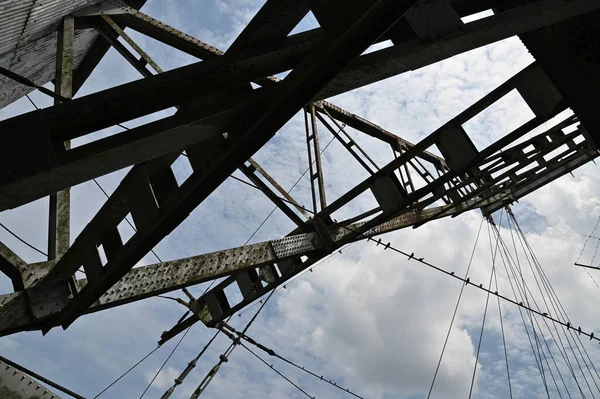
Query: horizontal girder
<point x="222" y="120"/>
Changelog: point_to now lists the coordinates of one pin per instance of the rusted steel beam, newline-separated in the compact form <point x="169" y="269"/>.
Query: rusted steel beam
<point x="313" y="189"/>
<point x="317" y="181"/>
<point x="75" y="118"/>
<point x="564" y="52"/>
<point x="278" y="187"/>
<point x="371" y="129"/>
<point x="349" y="144"/>
<point x="148" y="281"/>
<point x="59" y="216"/>
<point x="461" y="155"/>
<point x="273" y="22"/>
<point x="12" y="266"/>
<point x="411" y="53"/>
<point x="520" y="79"/>
<point x="162" y="91"/>
<point x="327" y="60"/>
<point x="16" y="382"/>
<point x="145" y="57"/>
<point x="111" y="36"/>
<point x="136" y="145"/>
<point x="210" y="313"/>
<point x="166" y="34"/>
<point x="96" y="53"/>
<point x="151" y="280"/>
<point x="248" y="171"/>
<point x="24" y="81"/>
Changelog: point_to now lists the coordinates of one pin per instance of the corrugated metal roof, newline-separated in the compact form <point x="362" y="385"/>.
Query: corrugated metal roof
<point x="28" y="41"/>
<point x="36" y="61"/>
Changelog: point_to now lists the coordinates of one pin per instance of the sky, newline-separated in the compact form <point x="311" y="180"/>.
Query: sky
<point x="369" y="319"/>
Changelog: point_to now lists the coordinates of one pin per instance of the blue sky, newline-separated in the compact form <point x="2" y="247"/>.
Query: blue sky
<point x="368" y="319"/>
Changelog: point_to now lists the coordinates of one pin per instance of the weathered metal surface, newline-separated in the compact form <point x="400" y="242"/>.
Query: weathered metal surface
<point x="24" y="21"/>
<point x="15" y="315"/>
<point x="167" y="34"/>
<point x="88" y="112"/>
<point x="14" y="384"/>
<point x="12" y="266"/>
<point x="132" y="43"/>
<point x="313" y="145"/>
<point x="59" y="213"/>
<point x="568" y="53"/>
<point x="348" y="145"/>
<point x="278" y="201"/>
<point x="280" y="189"/>
<point x="147" y="281"/>
<point x="36" y="61"/>
<point x="325" y="61"/>
<point x="367" y="127"/>
<point x="28" y="41"/>
<point x="411" y="53"/>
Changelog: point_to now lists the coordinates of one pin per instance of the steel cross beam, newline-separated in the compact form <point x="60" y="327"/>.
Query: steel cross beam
<point x="60" y="203"/>
<point x="413" y="49"/>
<point x="467" y="179"/>
<point x="522" y="170"/>
<point x="154" y="220"/>
<point x="148" y="281"/>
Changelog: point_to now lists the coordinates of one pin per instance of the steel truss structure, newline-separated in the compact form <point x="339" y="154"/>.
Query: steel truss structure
<point x="229" y="104"/>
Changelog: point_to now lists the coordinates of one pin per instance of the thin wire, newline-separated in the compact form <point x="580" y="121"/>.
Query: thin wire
<point x="520" y="310"/>
<point x="271" y="352"/>
<point x="23" y="241"/>
<point x="190" y="366"/>
<point x="541" y="355"/>
<point x="521" y="237"/>
<point x="462" y="287"/>
<point x="451" y="274"/>
<point x="588" y="238"/>
<point x="127" y="372"/>
<point x="165" y="362"/>
<point x="279" y="289"/>
<point x="224" y="357"/>
<point x="563" y="352"/>
<point x="31" y="101"/>
<point x="500" y="316"/>
<point x="531" y="319"/>
<point x="487" y="300"/>
<point x="553" y="298"/>
<point x="255" y="231"/>
<point x="275" y="370"/>
<point x="593" y="279"/>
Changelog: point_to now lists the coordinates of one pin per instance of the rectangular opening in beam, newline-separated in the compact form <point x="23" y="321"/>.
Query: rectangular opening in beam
<point x="477" y="16"/>
<point x="502" y="117"/>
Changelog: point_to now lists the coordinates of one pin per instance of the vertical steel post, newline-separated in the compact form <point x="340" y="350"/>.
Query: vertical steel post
<point x="314" y="137"/>
<point x="310" y="162"/>
<point x="406" y="171"/>
<point x="59" y="213"/>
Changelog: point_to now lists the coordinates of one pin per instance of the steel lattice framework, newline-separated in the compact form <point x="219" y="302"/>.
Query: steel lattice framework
<point x="229" y="104"/>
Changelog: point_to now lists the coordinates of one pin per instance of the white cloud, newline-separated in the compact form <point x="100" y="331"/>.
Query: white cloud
<point x="165" y="378"/>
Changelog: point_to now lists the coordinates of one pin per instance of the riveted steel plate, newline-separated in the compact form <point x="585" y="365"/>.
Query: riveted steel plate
<point x="295" y="245"/>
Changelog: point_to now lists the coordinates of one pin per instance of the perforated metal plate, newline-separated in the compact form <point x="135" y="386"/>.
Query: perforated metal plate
<point x="295" y="245"/>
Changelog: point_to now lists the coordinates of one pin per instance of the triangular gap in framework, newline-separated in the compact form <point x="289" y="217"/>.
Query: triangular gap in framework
<point x="307" y="23"/>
